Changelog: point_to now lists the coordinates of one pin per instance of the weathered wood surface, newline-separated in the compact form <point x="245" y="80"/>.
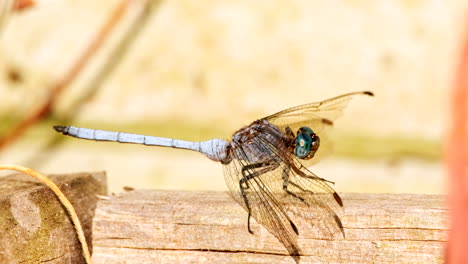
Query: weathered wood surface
<point x="146" y="226"/>
<point x="34" y="226"/>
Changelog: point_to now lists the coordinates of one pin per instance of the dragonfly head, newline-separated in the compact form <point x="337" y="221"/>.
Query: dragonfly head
<point x="307" y="143"/>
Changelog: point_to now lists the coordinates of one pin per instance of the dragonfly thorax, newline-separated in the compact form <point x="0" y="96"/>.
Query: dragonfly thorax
<point x="306" y="143"/>
<point x="258" y="143"/>
<point x="246" y="134"/>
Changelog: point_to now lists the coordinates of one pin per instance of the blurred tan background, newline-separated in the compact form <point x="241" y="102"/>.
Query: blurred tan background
<point x="203" y="69"/>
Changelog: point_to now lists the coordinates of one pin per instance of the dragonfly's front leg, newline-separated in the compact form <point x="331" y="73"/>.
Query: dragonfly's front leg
<point x="287" y="182"/>
<point x="290" y="138"/>
<point x="246" y="176"/>
<point x="316" y="178"/>
<point x="289" y="132"/>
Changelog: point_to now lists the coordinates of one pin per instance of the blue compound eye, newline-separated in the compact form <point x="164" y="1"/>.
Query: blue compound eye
<point x="307" y="143"/>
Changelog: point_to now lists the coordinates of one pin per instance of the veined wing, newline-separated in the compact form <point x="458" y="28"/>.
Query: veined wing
<point x="263" y="203"/>
<point x="319" y="198"/>
<point x="254" y="179"/>
<point x="319" y="116"/>
<point x="317" y="113"/>
<point x="306" y="190"/>
<point x="256" y="176"/>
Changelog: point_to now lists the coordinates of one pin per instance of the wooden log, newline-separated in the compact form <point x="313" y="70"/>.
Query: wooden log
<point x="35" y="228"/>
<point x="147" y="226"/>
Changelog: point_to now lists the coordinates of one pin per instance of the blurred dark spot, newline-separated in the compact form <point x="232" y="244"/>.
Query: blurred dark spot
<point x="327" y="121"/>
<point x="13" y="75"/>
<point x="128" y="188"/>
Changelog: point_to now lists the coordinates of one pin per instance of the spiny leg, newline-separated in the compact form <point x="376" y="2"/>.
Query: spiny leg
<point x="246" y="176"/>
<point x="267" y="166"/>
<point x="290" y="137"/>
<point x="313" y="177"/>
<point x="286" y="183"/>
<point x="300" y="187"/>
<point x="289" y="133"/>
<point x="246" y="201"/>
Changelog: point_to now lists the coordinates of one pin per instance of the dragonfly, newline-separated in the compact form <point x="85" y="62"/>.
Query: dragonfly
<point x="265" y="164"/>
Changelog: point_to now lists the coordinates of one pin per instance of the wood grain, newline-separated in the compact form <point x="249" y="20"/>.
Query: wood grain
<point x="34" y="226"/>
<point x="147" y="226"/>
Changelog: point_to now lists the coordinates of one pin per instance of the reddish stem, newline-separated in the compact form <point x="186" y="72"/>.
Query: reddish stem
<point x="20" y="5"/>
<point x="457" y="162"/>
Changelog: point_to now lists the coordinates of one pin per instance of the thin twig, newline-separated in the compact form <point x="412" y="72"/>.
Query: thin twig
<point x="70" y="76"/>
<point x="63" y="200"/>
<point x="111" y="62"/>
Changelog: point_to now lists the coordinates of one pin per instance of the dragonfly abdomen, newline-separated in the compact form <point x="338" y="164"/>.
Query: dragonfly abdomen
<point x="122" y="137"/>
<point x="215" y="149"/>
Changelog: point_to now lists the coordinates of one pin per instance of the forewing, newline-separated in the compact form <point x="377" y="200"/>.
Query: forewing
<point x="319" y="116"/>
<point x="264" y="162"/>
<point x="315" y="115"/>
<point x="320" y="201"/>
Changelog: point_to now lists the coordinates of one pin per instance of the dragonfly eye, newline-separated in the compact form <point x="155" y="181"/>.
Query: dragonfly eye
<point x="307" y="143"/>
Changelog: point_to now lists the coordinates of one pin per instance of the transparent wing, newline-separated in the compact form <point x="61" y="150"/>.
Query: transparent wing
<point x="261" y="196"/>
<point x="315" y="115"/>
<point x="319" y="199"/>
<point x="264" y="165"/>
<point x="308" y="196"/>
<point x="319" y="116"/>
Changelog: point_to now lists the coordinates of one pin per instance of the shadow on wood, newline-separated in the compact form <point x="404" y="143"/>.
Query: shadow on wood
<point x="35" y="227"/>
<point x="147" y="226"/>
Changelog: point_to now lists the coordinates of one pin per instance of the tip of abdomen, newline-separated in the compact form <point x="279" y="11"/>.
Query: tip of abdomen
<point x="61" y="129"/>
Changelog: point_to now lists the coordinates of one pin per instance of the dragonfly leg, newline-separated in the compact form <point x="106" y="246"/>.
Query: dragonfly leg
<point x="291" y="139"/>
<point x="286" y="183"/>
<point x="244" y="185"/>
<point x="289" y="132"/>
<point x="266" y="166"/>
<point x="300" y="188"/>
<point x="313" y="177"/>
<point x="246" y="201"/>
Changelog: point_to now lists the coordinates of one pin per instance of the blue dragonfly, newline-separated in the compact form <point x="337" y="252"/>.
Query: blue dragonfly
<point x="266" y="165"/>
